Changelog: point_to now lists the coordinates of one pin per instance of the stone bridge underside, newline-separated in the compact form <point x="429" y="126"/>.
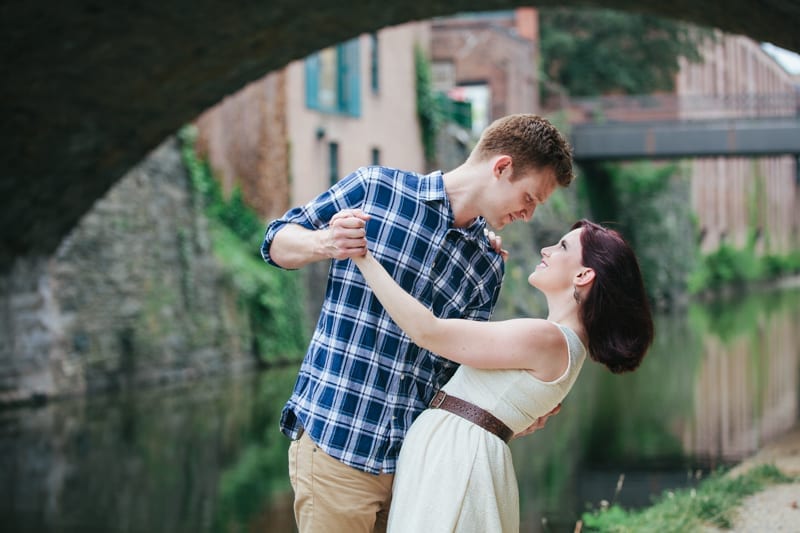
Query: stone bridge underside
<point x="89" y="87"/>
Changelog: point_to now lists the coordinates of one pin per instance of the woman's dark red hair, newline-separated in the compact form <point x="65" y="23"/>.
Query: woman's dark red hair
<point x="616" y="312"/>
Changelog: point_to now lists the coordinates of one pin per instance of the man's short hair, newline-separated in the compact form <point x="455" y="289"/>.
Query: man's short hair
<point x="531" y="141"/>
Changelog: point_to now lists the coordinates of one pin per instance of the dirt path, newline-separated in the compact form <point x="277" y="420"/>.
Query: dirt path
<point x="777" y="508"/>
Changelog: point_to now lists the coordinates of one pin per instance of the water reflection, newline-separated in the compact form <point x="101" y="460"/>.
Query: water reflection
<point x="718" y="384"/>
<point x="201" y="458"/>
<point x="747" y="385"/>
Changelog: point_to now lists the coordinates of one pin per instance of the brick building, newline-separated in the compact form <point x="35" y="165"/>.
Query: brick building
<point x="489" y="59"/>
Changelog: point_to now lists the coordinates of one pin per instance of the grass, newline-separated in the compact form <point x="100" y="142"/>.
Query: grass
<point x="713" y="503"/>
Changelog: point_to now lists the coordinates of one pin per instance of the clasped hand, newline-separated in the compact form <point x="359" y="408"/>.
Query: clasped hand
<point x="347" y="235"/>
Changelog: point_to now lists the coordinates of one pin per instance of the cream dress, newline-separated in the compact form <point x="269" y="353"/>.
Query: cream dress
<point x="455" y="476"/>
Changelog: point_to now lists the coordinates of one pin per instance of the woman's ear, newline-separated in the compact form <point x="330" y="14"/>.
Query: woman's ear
<point x="584" y="277"/>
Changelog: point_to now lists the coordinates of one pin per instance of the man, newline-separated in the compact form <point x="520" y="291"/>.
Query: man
<point x="362" y="381"/>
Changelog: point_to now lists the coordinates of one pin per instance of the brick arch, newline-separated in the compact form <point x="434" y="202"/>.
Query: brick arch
<point x="89" y="87"/>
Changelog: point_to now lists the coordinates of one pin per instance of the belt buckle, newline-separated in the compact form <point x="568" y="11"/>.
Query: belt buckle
<point x="438" y="399"/>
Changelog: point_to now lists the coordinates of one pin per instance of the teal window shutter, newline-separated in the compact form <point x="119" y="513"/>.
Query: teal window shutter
<point x="351" y="74"/>
<point x="312" y="81"/>
<point x="342" y="69"/>
<point x="334" y="87"/>
<point x="374" y="65"/>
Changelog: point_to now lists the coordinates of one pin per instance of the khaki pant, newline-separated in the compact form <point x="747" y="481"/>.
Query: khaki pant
<point x="331" y="497"/>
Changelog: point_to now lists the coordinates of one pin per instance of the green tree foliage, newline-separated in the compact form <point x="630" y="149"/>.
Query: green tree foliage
<point x="588" y="52"/>
<point x="649" y="204"/>
<point x="591" y="52"/>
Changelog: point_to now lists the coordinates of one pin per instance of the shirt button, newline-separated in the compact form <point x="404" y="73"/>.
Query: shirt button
<point x="402" y="377"/>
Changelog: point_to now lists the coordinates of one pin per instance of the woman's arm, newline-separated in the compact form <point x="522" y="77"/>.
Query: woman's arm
<point x="525" y="343"/>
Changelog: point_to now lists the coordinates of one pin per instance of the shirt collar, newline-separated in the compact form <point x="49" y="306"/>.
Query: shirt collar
<point x="475" y="231"/>
<point x="431" y="189"/>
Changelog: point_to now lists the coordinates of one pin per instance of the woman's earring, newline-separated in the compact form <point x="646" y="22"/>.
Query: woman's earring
<point x="575" y="294"/>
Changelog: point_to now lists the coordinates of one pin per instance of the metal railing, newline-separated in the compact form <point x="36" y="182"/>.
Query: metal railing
<point x="672" y="107"/>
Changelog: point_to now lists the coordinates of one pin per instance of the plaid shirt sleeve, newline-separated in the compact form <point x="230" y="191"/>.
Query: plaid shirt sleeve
<point x="347" y="193"/>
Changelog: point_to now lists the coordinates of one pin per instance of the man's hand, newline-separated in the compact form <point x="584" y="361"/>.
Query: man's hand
<point x="539" y="422"/>
<point x="346" y="235"/>
<point x="496" y="242"/>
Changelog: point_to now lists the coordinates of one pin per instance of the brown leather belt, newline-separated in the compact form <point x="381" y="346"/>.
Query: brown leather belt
<point x="473" y="413"/>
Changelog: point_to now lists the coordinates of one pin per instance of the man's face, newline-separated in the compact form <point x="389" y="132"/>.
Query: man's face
<point x="510" y="201"/>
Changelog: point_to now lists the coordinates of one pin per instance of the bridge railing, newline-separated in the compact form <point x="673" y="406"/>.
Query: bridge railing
<point x="672" y="107"/>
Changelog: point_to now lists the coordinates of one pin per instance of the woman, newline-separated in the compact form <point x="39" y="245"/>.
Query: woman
<point x="455" y="471"/>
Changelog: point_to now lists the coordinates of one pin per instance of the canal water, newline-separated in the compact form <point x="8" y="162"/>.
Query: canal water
<point x="720" y="382"/>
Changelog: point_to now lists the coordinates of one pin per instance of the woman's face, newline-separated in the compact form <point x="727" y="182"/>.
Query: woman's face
<point x="560" y="263"/>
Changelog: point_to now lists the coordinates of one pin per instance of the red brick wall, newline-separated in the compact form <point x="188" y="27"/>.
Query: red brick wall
<point x="245" y="139"/>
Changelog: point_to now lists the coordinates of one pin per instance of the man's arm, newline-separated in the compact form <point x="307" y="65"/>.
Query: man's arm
<point x="295" y="246"/>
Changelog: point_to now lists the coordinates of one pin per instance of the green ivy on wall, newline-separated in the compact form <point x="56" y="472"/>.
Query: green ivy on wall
<point x="729" y="266"/>
<point x="428" y="108"/>
<point x="269" y="299"/>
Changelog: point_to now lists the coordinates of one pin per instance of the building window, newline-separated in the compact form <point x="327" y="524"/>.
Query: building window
<point x="797" y="170"/>
<point x="374" y="63"/>
<point x="332" y="79"/>
<point x="443" y="74"/>
<point x="376" y="156"/>
<point x="479" y="98"/>
<point x="333" y="162"/>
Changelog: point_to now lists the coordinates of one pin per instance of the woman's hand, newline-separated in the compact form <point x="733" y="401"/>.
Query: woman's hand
<point x="496" y="242"/>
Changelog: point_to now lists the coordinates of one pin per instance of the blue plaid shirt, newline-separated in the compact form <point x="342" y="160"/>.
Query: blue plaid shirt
<point x="363" y="382"/>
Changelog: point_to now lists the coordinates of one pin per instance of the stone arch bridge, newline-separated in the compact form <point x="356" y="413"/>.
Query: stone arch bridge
<point x="90" y="87"/>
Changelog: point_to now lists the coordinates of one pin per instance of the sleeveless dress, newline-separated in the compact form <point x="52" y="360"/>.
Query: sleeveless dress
<point x="453" y="475"/>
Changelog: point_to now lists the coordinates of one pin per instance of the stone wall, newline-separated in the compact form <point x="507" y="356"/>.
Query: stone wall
<point x="132" y="296"/>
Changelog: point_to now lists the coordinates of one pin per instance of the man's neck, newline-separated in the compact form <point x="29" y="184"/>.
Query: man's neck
<point x="460" y="186"/>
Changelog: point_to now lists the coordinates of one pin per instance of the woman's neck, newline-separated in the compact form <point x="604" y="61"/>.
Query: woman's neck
<point x="564" y="310"/>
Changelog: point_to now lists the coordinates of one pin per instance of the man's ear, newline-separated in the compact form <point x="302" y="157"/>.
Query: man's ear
<point x="584" y="277"/>
<point x="502" y="166"/>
